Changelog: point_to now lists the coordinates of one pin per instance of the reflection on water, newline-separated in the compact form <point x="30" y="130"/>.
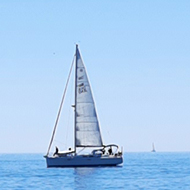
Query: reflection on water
<point x="97" y="177"/>
<point x="83" y="177"/>
<point x="82" y="172"/>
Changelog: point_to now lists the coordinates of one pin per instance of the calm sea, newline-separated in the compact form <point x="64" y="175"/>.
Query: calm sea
<point x="139" y="171"/>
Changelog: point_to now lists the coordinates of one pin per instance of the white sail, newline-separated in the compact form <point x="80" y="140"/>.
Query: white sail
<point x="87" y="131"/>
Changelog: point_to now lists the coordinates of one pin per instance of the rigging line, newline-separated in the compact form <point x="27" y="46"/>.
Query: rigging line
<point x="81" y="150"/>
<point x="60" y="142"/>
<point x="69" y="122"/>
<point x="60" y="107"/>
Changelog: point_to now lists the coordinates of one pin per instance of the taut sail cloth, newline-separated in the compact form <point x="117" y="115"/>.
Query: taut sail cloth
<point x="87" y="131"/>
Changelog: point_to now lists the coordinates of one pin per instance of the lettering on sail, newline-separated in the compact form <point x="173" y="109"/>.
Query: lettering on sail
<point x="82" y="88"/>
<point x="80" y="78"/>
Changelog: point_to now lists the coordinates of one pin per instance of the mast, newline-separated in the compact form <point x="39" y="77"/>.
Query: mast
<point x="75" y="98"/>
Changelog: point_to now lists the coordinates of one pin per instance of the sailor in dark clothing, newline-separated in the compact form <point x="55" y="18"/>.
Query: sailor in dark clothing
<point x="110" y="151"/>
<point x="56" y="151"/>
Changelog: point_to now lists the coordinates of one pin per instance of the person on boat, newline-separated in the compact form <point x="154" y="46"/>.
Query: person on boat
<point x="56" y="151"/>
<point x="110" y="151"/>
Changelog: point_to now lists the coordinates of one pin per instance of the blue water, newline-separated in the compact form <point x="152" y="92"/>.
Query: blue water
<point x="139" y="171"/>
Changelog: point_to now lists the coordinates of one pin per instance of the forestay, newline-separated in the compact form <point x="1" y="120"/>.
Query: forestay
<point x="86" y="122"/>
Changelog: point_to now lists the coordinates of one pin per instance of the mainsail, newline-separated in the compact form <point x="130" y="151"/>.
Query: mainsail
<point x="87" y="131"/>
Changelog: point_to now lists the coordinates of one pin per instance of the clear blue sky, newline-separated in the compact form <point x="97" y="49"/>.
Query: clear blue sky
<point x="137" y="54"/>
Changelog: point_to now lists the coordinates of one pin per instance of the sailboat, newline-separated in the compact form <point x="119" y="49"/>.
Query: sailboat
<point x="86" y="129"/>
<point x="153" y="148"/>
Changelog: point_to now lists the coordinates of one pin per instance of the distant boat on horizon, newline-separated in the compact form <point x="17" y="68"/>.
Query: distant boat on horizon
<point x="153" y="148"/>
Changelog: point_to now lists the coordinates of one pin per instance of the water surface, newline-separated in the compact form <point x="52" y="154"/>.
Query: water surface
<point x="140" y="171"/>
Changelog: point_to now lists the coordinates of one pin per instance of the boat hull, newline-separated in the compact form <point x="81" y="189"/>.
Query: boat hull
<point x="83" y="161"/>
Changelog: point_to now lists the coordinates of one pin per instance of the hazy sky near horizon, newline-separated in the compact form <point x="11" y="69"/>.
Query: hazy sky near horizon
<point x="137" y="55"/>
